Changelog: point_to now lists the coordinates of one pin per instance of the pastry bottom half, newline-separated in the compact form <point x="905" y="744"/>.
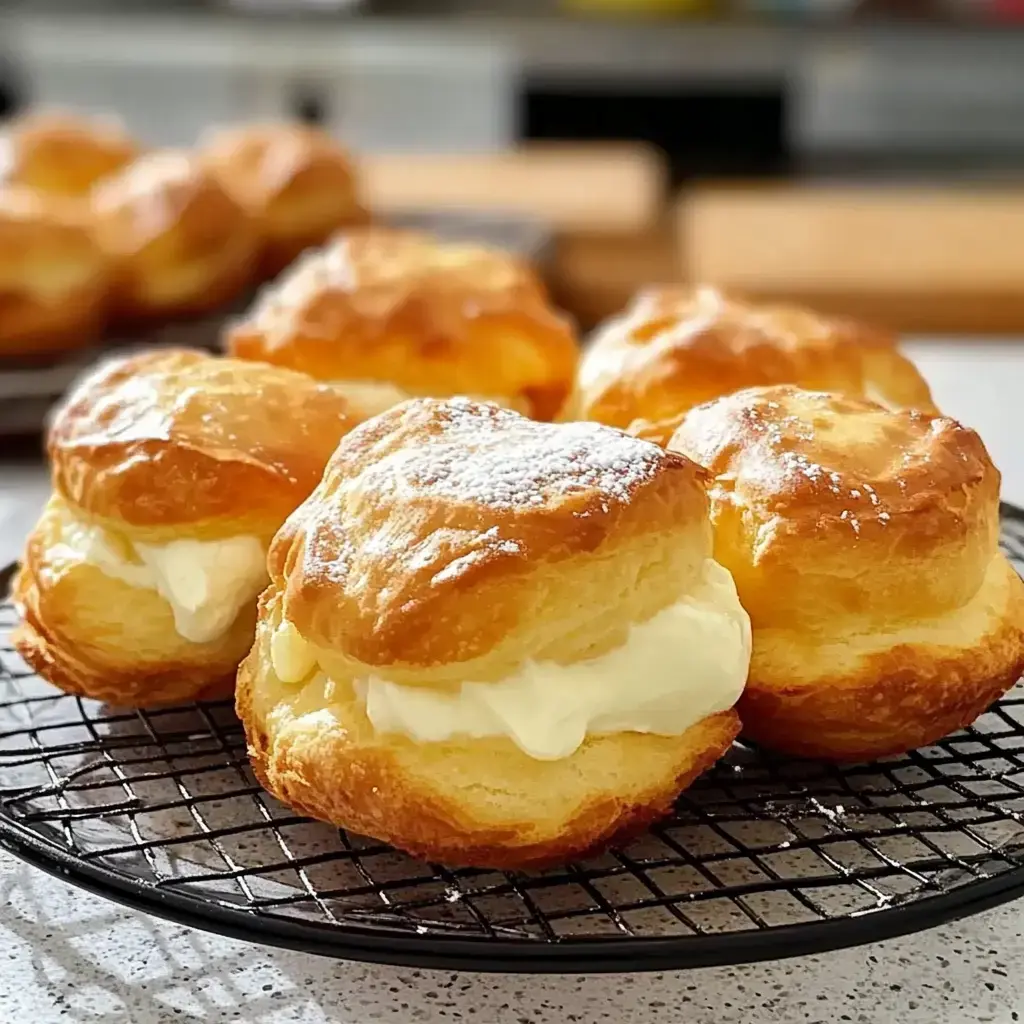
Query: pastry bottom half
<point x="864" y="696"/>
<point x="100" y="637"/>
<point x="466" y="802"/>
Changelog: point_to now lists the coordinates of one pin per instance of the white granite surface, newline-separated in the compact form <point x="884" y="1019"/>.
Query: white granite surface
<point x="70" y="956"/>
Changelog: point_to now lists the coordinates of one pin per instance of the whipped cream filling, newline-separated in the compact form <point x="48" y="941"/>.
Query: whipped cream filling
<point x="372" y="396"/>
<point x="687" y="662"/>
<point x="206" y="583"/>
<point x="376" y="396"/>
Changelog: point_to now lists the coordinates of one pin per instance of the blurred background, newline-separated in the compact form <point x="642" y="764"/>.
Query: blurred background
<point x="861" y="156"/>
<point x="864" y="156"/>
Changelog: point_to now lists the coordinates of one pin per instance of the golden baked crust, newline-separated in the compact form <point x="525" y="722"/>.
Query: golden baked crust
<point x="173" y="438"/>
<point x="864" y="545"/>
<point x="449" y="536"/>
<point x="433" y="318"/>
<point x="871" y="697"/>
<point x="183" y="245"/>
<point x="63" y="155"/>
<point x="675" y="348"/>
<point x="473" y="802"/>
<point x="54" y="279"/>
<point x="296" y="181"/>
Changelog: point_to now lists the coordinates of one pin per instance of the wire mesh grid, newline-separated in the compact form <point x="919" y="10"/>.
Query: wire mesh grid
<point x="763" y="856"/>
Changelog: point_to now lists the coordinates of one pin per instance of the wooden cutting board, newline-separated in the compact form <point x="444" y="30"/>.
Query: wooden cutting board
<point x="920" y="258"/>
<point x="594" y="188"/>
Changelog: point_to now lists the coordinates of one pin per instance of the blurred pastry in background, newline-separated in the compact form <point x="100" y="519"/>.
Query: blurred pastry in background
<point x="54" y="278"/>
<point x="676" y="347"/>
<point x="182" y="245"/>
<point x="389" y="314"/>
<point x="491" y="641"/>
<point x="172" y="470"/>
<point x="298" y="184"/>
<point x="864" y="544"/>
<point x="62" y="154"/>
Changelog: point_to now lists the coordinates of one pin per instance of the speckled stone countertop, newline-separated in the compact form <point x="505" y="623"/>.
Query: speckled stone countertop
<point x="70" y="956"/>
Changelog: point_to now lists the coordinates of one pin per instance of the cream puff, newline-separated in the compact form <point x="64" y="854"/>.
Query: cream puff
<point x="182" y="244"/>
<point x="391" y="314"/>
<point x="62" y="154"/>
<point x="172" y="470"/>
<point x="298" y="184"/>
<point x="54" y="279"/>
<point x="491" y="641"/>
<point x="675" y="348"/>
<point x="865" y="545"/>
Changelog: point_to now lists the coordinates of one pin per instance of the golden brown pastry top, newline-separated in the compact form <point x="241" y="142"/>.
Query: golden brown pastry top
<point x="46" y="249"/>
<point x="674" y="348"/>
<point x="61" y="154"/>
<point x="275" y="168"/>
<point x="432" y="317"/>
<point x="161" y="193"/>
<point x="428" y="539"/>
<point x="867" y="501"/>
<point x="176" y="437"/>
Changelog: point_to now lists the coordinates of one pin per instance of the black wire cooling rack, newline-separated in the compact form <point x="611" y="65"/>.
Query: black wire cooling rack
<point x="764" y="857"/>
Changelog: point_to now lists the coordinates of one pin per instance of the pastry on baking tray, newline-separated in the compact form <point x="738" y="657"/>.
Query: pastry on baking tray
<point x="675" y="347"/>
<point x="183" y="245"/>
<point x="864" y="545"/>
<point x="172" y="470"/>
<point x="392" y="314"/>
<point x="54" y="279"/>
<point x="297" y="182"/>
<point x="63" y="154"/>
<point x="492" y="641"/>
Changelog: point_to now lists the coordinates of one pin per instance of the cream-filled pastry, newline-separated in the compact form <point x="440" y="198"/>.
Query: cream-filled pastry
<point x="54" y="279"/>
<point x="675" y="348"/>
<point x="182" y="244"/>
<point x="865" y="545"/>
<point x="299" y="185"/>
<point x="172" y="470"/>
<point x="513" y="634"/>
<point x="63" y="155"/>
<point x="398" y="309"/>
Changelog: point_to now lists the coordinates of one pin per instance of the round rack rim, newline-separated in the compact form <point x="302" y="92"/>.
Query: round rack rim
<point x="352" y="940"/>
<point x="597" y="955"/>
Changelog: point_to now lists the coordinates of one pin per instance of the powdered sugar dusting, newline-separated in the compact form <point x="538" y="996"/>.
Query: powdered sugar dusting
<point x="799" y="463"/>
<point x="495" y="457"/>
<point x="489" y="544"/>
<point x="848" y="517"/>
